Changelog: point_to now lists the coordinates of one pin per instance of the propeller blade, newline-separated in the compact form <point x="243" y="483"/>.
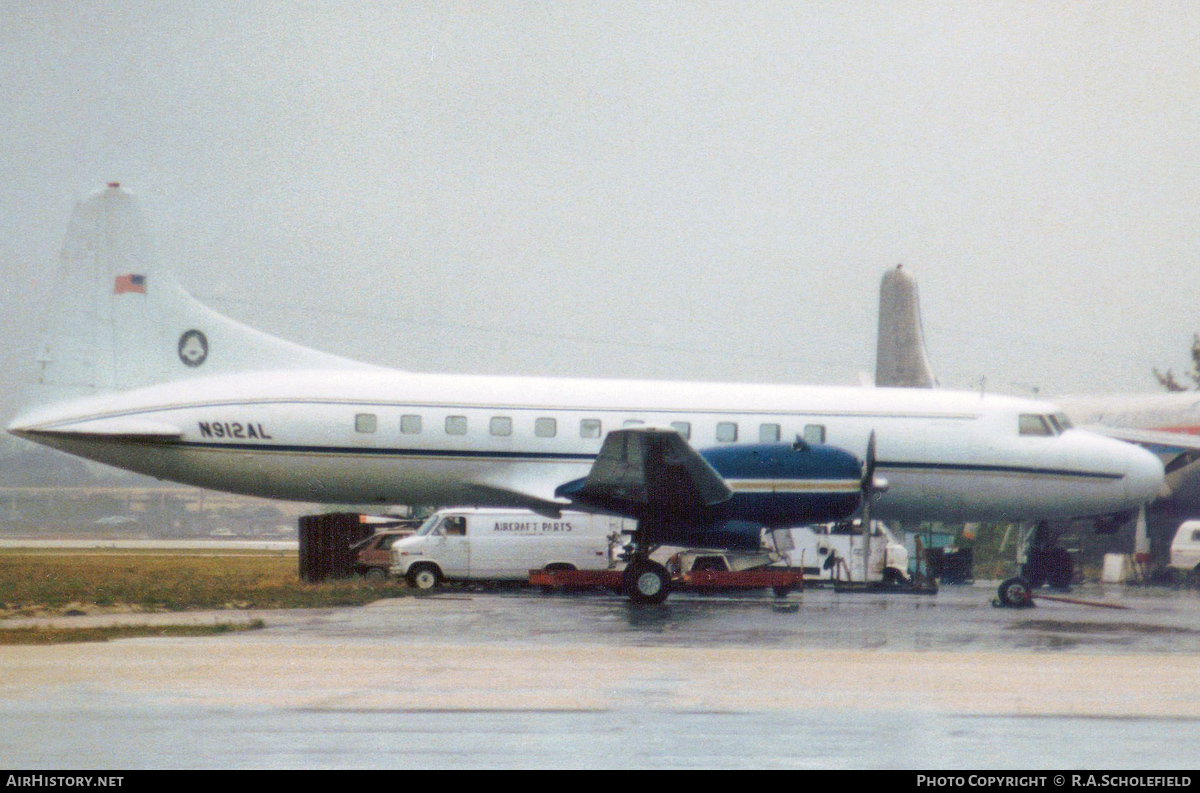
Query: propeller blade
<point x="868" y="480"/>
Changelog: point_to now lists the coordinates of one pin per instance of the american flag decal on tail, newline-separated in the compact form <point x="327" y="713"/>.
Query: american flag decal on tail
<point x="130" y="283"/>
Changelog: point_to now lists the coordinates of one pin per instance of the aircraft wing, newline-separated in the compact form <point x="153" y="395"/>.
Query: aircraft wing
<point x="648" y="469"/>
<point x="1179" y="452"/>
<point x="1156" y="441"/>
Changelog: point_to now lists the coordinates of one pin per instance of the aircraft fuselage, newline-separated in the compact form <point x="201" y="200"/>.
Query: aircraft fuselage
<point x="392" y="437"/>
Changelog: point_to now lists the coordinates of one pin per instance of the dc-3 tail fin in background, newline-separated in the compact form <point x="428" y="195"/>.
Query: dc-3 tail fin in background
<point x="900" y="357"/>
<point x="120" y="320"/>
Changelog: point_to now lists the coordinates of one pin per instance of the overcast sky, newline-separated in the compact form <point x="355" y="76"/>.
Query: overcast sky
<point x="666" y="190"/>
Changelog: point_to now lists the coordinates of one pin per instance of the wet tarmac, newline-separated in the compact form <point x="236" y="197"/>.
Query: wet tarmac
<point x="513" y="678"/>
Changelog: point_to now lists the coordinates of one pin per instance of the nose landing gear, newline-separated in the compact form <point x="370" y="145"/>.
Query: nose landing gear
<point x="1014" y="593"/>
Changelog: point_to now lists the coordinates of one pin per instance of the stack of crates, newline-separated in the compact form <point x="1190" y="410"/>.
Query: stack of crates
<point x="325" y="542"/>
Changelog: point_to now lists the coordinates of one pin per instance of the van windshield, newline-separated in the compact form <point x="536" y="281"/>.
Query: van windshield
<point x="428" y="525"/>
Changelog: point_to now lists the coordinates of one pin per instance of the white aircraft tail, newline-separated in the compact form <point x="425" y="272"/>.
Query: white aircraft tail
<point x="120" y="320"/>
<point x="900" y="357"/>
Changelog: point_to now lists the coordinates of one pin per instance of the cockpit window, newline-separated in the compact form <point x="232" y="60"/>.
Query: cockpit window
<point x="1033" y="424"/>
<point x="1054" y="423"/>
<point x="1063" y="421"/>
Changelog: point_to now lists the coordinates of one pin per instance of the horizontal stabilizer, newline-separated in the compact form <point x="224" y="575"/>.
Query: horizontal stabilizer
<point x="118" y="427"/>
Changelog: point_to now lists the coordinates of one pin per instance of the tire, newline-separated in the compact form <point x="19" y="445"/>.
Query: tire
<point x="549" y="590"/>
<point x="893" y="577"/>
<point x="782" y="591"/>
<point x="647" y="582"/>
<point x="1016" y="593"/>
<point x="1060" y="569"/>
<point x="424" y="577"/>
<point x="376" y="575"/>
<point x="1036" y="569"/>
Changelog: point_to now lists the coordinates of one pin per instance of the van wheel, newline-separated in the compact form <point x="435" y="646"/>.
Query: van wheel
<point x="424" y="577"/>
<point x="376" y="575"/>
<point x="548" y="590"/>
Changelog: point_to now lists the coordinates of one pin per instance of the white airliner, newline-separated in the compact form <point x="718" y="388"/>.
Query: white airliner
<point x="137" y="374"/>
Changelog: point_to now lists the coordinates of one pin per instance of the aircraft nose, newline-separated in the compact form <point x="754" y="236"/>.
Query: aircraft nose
<point x="1144" y="480"/>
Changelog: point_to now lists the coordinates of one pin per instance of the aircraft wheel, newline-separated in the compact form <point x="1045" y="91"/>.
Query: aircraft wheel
<point x="647" y="582"/>
<point x="1061" y="569"/>
<point x="424" y="577"/>
<point x="1016" y="593"/>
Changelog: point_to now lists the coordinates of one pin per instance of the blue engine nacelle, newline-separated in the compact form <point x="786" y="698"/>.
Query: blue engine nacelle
<point x="718" y="498"/>
<point x="780" y="485"/>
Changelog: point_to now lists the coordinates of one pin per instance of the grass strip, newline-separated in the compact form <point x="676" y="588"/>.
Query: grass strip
<point x="12" y="636"/>
<point x="47" y="584"/>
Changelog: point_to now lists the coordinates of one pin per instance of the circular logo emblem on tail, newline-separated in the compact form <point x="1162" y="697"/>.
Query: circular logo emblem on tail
<point x="193" y="348"/>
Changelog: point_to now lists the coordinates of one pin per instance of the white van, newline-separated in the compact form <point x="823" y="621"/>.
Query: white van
<point x="1185" y="548"/>
<point x="504" y="545"/>
<point x="834" y="551"/>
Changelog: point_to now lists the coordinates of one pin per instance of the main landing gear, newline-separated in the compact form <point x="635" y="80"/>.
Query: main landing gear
<point x="645" y="581"/>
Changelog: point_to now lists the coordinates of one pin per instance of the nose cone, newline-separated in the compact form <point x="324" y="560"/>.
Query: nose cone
<point x="1144" y="479"/>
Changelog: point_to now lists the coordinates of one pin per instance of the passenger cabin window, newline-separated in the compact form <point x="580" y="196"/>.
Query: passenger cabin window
<point x="1196" y="536"/>
<point x="410" y="425"/>
<point x="726" y="431"/>
<point x="814" y="433"/>
<point x="456" y="425"/>
<point x="501" y="425"/>
<point x="768" y="433"/>
<point x="684" y="428"/>
<point x="1033" y="424"/>
<point x="589" y="428"/>
<point x="545" y="428"/>
<point x="365" y="422"/>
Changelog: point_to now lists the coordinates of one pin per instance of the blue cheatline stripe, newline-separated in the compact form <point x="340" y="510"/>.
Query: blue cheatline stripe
<point x="380" y="452"/>
<point x="1007" y="469"/>
<point x="584" y="457"/>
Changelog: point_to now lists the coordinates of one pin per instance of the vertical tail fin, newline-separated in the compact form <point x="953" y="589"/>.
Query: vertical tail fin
<point x="900" y="357"/>
<point x="120" y="320"/>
